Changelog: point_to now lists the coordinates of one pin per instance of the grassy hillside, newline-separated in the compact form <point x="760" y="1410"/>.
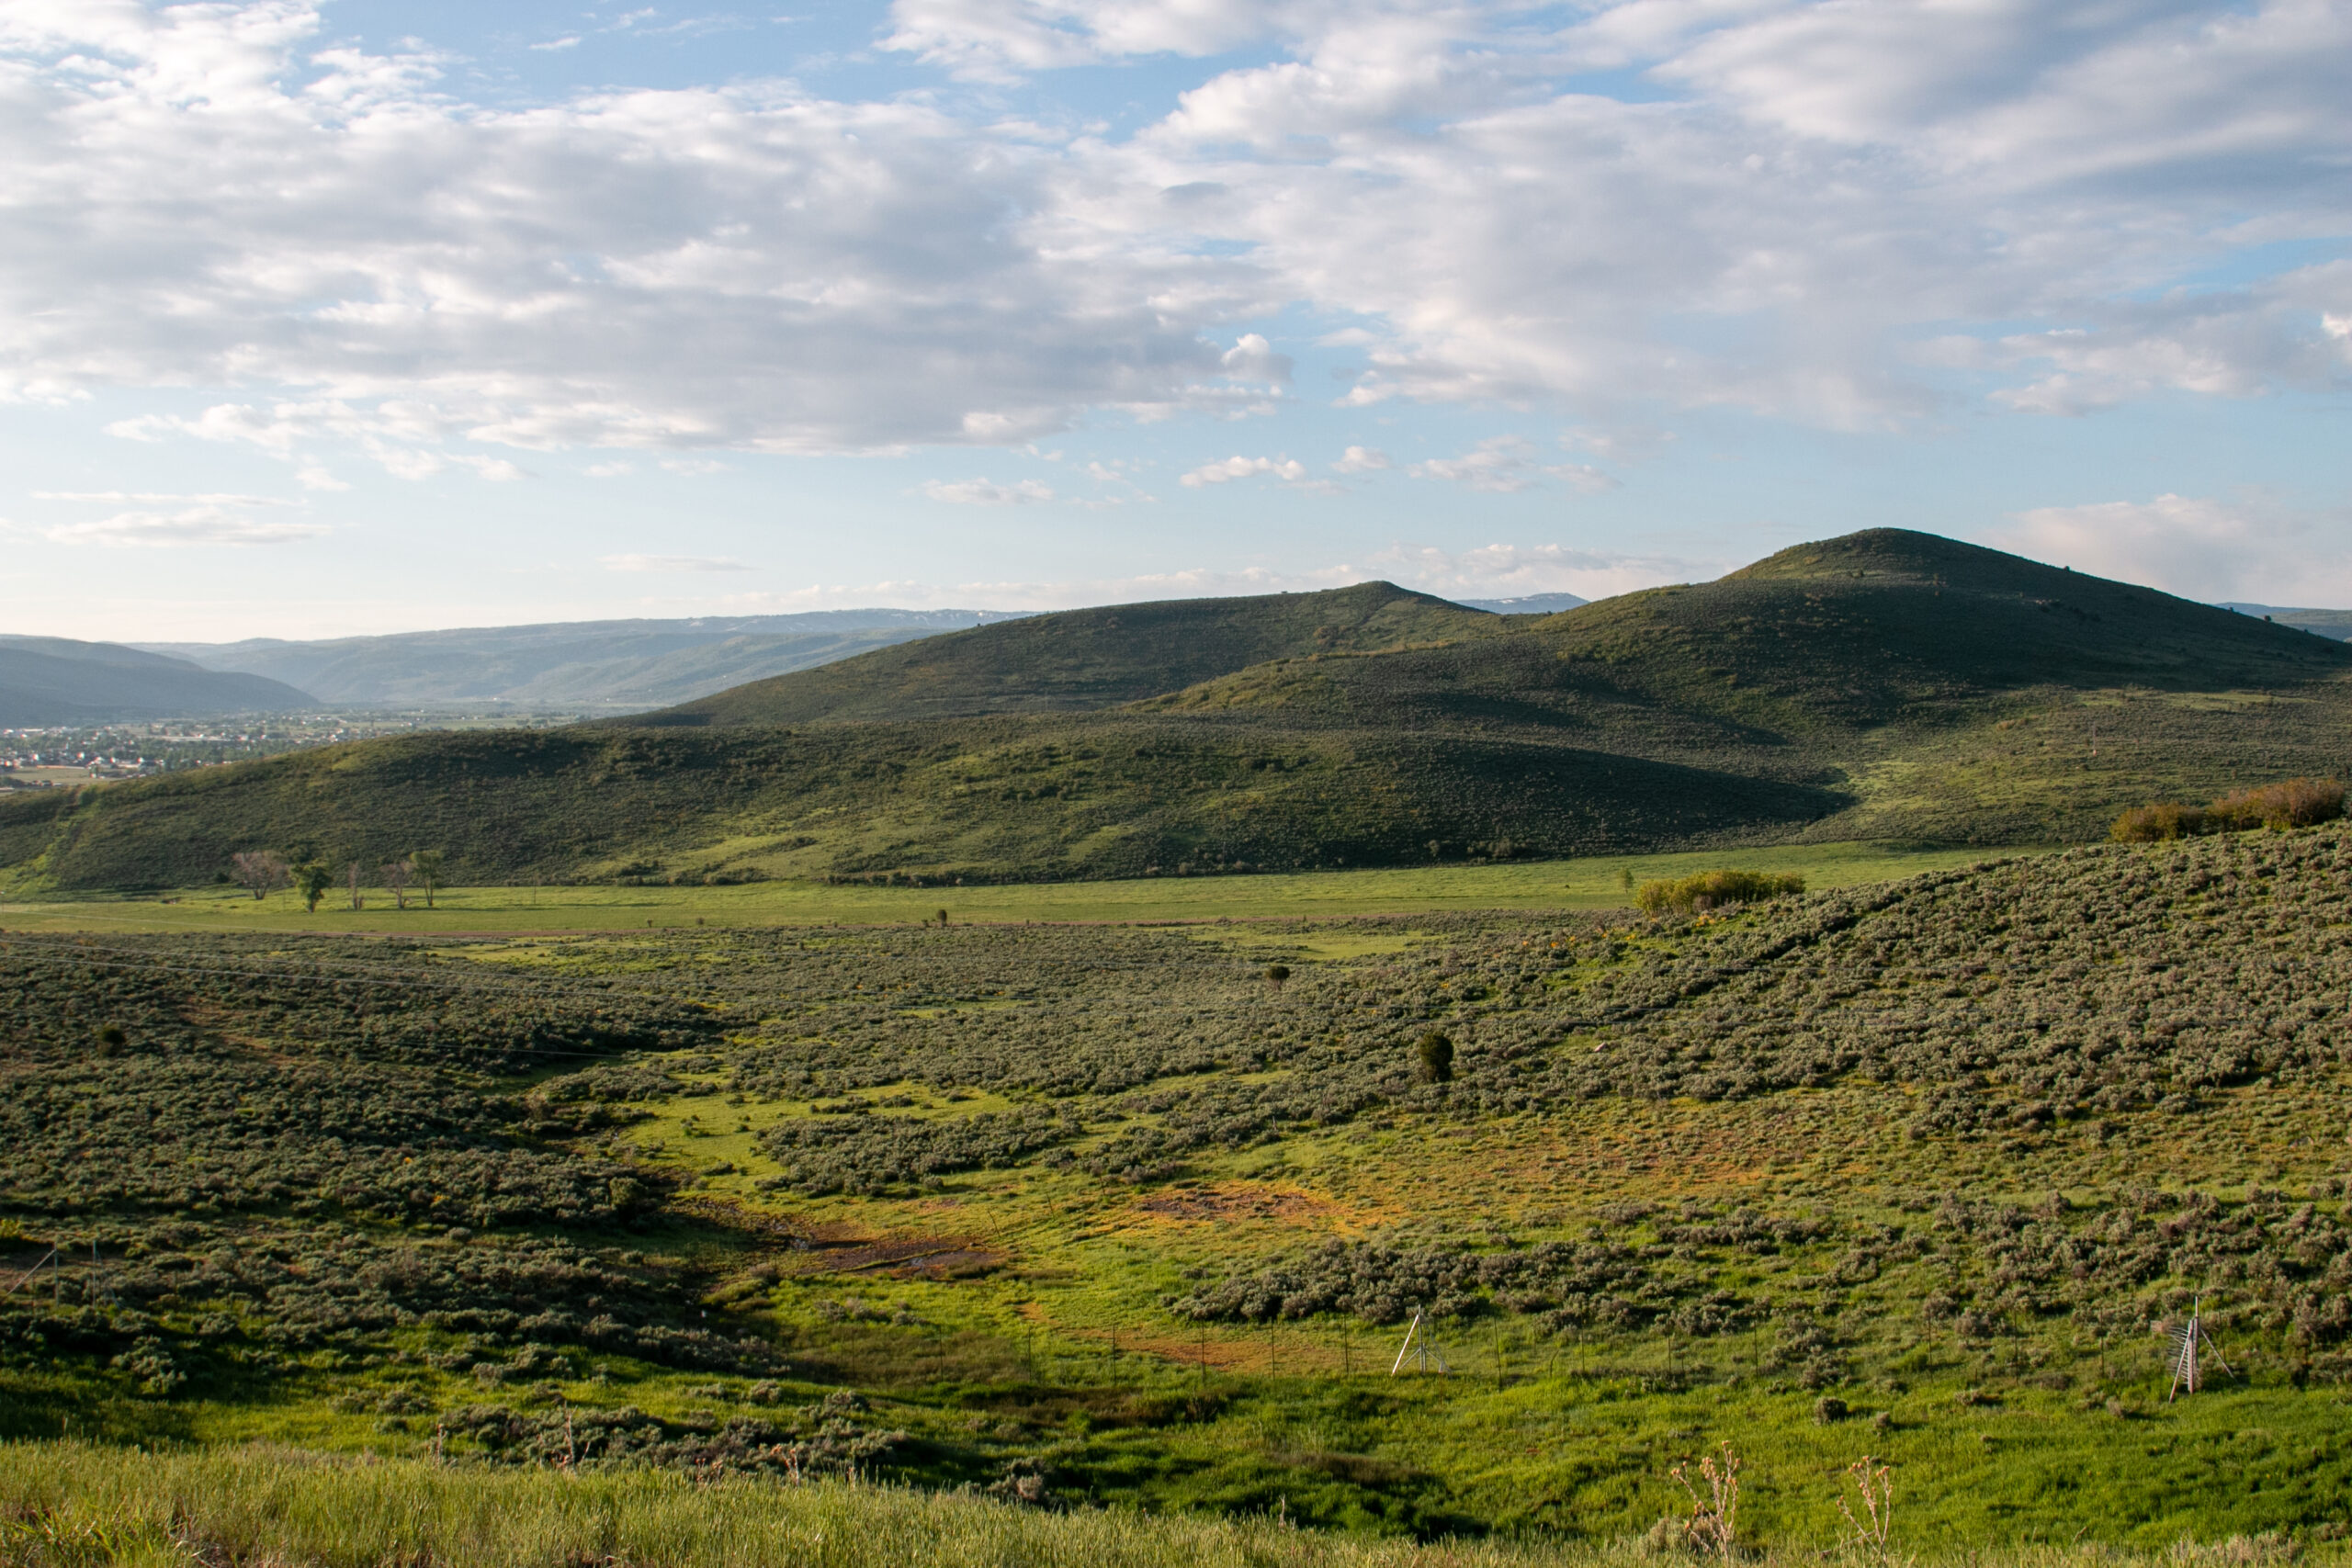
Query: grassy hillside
<point x="1885" y="686"/>
<point x="976" y="801"/>
<point x="1818" y="642"/>
<point x="1090" y="658"/>
<point x="1104" y="1215"/>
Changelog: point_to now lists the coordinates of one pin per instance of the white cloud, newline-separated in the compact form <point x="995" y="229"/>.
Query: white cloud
<point x="203" y="525"/>
<point x="1362" y="461"/>
<point x="154" y="497"/>
<point x="203" y="196"/>
<point x="670" y="563"/>
<point x="2195" y="546"/>
<point x="745" y="267"/>
<point x="1510" y="572"/>
<point x="609" y="470"/>
<point x="992" y="39"/>
<point x="985" y="492"/>
<point x="1236" y="467"/>
<point x="555" y="43"/>
<point x="1254" y="359"/>
<point x="1506" y="464"/>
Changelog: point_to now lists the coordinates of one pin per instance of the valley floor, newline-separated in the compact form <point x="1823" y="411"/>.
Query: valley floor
<point x="1597" y="882"/>
<point x="1103" y="1216"/>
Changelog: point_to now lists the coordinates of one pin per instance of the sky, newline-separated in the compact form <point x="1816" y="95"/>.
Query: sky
<point x="330" y="317"/>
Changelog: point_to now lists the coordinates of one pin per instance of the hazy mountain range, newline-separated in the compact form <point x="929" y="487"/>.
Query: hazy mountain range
<point x="56" y="680"/>
<point x="572" y="664"/>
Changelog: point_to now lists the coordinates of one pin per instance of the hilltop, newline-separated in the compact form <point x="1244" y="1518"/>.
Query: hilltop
<point x="58" y="680"/>
<point x="1078" y="660"/>
<point x="1884" y="685"/>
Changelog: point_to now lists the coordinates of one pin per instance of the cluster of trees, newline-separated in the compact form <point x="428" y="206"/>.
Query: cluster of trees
<point x="263" y="872"/>
<point x="2298" y="803"/>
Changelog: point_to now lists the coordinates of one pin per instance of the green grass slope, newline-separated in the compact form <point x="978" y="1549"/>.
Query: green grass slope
<point x="1089" y="658"/>
<point x="1102" y="1215"/>
<point x="1885" y="626"/>
<point x="1887" y="685"/>
<point x="1001" y="799"/>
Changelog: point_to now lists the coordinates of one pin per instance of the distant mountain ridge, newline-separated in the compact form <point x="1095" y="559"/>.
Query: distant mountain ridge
<point x="59" y="680"/>
<point x="574" y="664"/>
<point x="2337" y="623"/>
<point x="1527" y="604"/>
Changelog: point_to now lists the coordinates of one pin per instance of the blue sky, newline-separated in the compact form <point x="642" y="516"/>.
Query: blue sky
<point x="377" y="314"/>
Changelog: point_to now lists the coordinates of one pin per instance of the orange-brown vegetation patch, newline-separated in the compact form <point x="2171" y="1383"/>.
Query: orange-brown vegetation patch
<point x="219" y="1022"/>
<point x="842" y="1247"/>
<point x="906" y="1257"/>
<point x="1229" y="1200"/>
<point x="754" y="1223"/>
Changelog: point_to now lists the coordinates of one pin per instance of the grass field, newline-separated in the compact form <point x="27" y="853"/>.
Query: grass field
<point x="1598" y="882"/>
<point x="66" y="1503"/>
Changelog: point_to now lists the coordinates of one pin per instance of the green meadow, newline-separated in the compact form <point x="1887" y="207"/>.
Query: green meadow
<point x="1598" y="882"/>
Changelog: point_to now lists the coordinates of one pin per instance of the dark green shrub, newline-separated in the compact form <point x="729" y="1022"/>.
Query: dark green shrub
<point x="2158" y="824"/>
<point x="1437" y="1057"/>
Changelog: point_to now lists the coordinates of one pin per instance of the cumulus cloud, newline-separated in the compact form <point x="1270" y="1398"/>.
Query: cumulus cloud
<point x="1506" y="464"/>
<point x="1236" y="467"/>
<point x="987" y="492"/>
<point x="202" y="525"/>
<point x="696" y="269"/>
<point x="1362" y="461"/>
<point x="1845" y="215"/>
<point x="670" y="563"/>
<point x="2199" y="548"/>
<point x="1254" y="359"/>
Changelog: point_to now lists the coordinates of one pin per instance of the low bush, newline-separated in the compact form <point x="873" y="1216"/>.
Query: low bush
<point x="2298" y="803"/>
<point x="1714" y="889"/>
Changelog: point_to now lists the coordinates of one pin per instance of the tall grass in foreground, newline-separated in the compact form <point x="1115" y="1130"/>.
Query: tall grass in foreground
<point x="72" y="1504"/>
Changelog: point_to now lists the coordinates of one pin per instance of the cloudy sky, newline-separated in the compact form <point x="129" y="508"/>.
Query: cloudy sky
<point x="364" y="315"/>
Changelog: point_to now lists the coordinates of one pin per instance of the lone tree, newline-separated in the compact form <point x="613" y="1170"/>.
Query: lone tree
<point x="425" y="866"/>
<point x="259" y="871"/>
<point x="1437" y="1057"/>
<point x="311" y="880"/>
<point x="397" y="875"/>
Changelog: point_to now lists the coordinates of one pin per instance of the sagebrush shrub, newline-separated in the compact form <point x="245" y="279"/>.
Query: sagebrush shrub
<point x="1714" y="889"/>
<point x="2298" y="803"/>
